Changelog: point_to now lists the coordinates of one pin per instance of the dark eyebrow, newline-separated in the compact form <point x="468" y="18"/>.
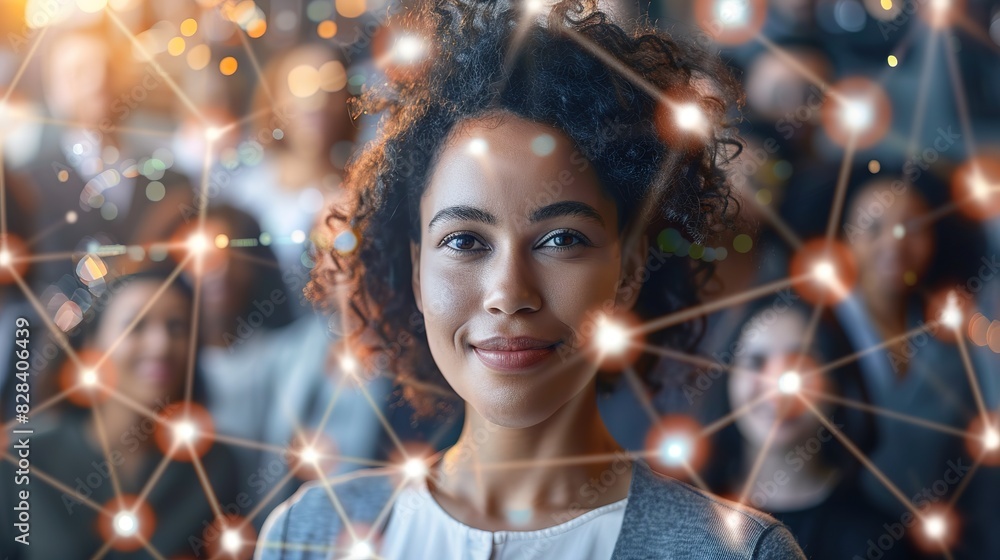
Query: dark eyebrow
<point x="566" y="208"/>
<point x="468" y="213"/>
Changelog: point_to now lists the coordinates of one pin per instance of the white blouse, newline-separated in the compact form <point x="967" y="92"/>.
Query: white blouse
<point x="420" y="527"/>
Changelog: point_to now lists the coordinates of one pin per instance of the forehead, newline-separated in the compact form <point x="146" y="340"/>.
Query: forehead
<point x="776" y="331"/>
<point x="511" y="164"/>
<point x="892" y="203"/>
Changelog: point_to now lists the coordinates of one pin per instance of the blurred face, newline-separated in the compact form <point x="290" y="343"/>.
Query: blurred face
<point x="889" y="263"/>
<point x="771" y="347"/>
<point x="77" y="85"/>
<point x="320" y="119"/>
<point x="518" y="243"/>
<point x="151" y="360"/>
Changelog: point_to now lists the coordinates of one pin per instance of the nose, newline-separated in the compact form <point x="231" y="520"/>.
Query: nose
<point x="156" y="339"/>
<point x="512" y="285"/>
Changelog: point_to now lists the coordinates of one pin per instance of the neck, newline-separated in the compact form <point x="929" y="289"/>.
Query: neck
<point x="788" y="482"/>
<point x="494" y="474"/>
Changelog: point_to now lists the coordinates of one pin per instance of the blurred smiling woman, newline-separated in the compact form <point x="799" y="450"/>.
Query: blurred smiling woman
<point x="510" y="201"/>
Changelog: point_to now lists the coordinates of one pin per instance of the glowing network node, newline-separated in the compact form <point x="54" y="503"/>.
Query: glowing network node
<point x="231" y="541"/>
<point x="732" y="13"/>
<point x="899" y="231"/>
<point x="88" y="377"/>
<point x="790" y="382"/>
<point x="824" y="272"/>
<point x="5" y="257"/>
<point x="348" y="364"/>
<point x="310" y="455"/>
<point x="980" y="186"/>
<point x="934" y="526"/>
<point x="991" y="439"/>
<point x="197" y="243"/>
<point x="408" y="49"/>
<point x="213" y="133"/>
<point x="185" y="431"/>
<point x="414" y="468"/>
<point x="298" y="236"/>
<point x="126" y="524"/>
<point x="478" y="147"/>
<point x="689" y="117"/>
<point x="361" y="550"/>
<point x="858" y="115"/>
<point x="534" y="6"/>
<point x="675" y="450"/>
<point x="951" y="316"/>
<point x="612" y="338"/>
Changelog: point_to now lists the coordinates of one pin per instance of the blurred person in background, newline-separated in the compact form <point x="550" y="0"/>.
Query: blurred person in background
<point x="146" y="368"/>
<point x="95" y="190"/>
<point x="308" y="135"/>
<point x="901" y="257"/>
<point x="806" y="477"/>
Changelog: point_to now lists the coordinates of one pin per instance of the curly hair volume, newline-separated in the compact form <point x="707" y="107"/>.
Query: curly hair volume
<point x="613" y="92"/>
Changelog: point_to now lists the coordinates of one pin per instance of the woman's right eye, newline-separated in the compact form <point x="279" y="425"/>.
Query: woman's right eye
<point x="463" y="242"/>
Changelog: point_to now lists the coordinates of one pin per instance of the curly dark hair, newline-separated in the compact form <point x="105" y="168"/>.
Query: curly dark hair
<point x="578" y="72"/>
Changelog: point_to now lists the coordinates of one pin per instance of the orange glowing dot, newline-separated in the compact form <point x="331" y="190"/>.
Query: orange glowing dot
<point x="189" y="27"/>
<point x="228" y="66"/>
<point x="350" y="8"/>
<point x="332" y="76"/>
<point x="326" y="29"/>
<point x="63" y="176"/>
<point x="874" y="166"/>
<point x="176" y="46"/>
<point x="303" y="81"/>
<point x="257" y="28"/>
<point x="199" y="57"/>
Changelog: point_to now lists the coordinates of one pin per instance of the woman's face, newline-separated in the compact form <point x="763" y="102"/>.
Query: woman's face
<point x="151" y="360"/>
<point x="770" y="346"/>
<point x="519" y="249"/>
<point x="893" y="248"/>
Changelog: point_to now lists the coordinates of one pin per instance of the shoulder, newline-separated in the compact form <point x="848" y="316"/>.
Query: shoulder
<point x="669" y="515"/>
<point x="309" y="525"/>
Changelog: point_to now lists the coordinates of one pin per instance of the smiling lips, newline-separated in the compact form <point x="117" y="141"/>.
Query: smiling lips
<point x="513" y="354"/>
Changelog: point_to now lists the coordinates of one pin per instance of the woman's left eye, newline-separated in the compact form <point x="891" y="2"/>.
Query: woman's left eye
<point x="563" y="240"/>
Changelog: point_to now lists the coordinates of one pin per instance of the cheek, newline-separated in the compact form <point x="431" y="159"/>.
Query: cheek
<point x="741" y="387"/>
<point x="449" y="296"/>
<point x="575" y="293"/>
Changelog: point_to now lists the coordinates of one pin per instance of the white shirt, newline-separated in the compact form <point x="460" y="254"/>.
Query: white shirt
<point x="420" y="527"/>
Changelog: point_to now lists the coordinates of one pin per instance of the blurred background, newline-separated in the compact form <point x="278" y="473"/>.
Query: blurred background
<point x="164" y="166"/>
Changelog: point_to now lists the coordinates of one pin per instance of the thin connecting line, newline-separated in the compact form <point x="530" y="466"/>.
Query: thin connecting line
<point x="803" y="71"/>
<point x="149" y="547"/>
<point x="641" y="395"/>
<point x="888" y="413"/>
<point x="971" y="373"/>
<point x="155" y="477"/>
<point x="846" y="442"/>
<point x="256" y="65"/>
<point x="841" y="191"/>
<point x="687" y="314"/>
<point x="759" y="460"/>
<point x="734" y="415"/>
<point x="338" y="507"/>
<point x="916" y="127"/>
<point x="103" y="551"/>
<point x="780" y="225"/>
<point x="205" y="482"/>
<point x="139" y="131"/>
<point x="962" y="104"/>
<point x="56" y="332"/>
<point x="105" y="447"/>
<point x="23" y="67"/>
<point x="142" y="312"/>
<point x="44" y="405"/>
<point x="156" y="66"/>
<point x="198" y="273"/>
<point x="264" y="501"/>
<point x="829" y="366"/>
<point x="53" y="482"/>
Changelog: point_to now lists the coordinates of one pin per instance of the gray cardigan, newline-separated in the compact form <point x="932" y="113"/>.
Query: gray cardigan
<point x="664" y="518"/>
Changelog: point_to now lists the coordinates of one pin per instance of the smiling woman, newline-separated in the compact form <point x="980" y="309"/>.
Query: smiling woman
<point x="506" y="211"/>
